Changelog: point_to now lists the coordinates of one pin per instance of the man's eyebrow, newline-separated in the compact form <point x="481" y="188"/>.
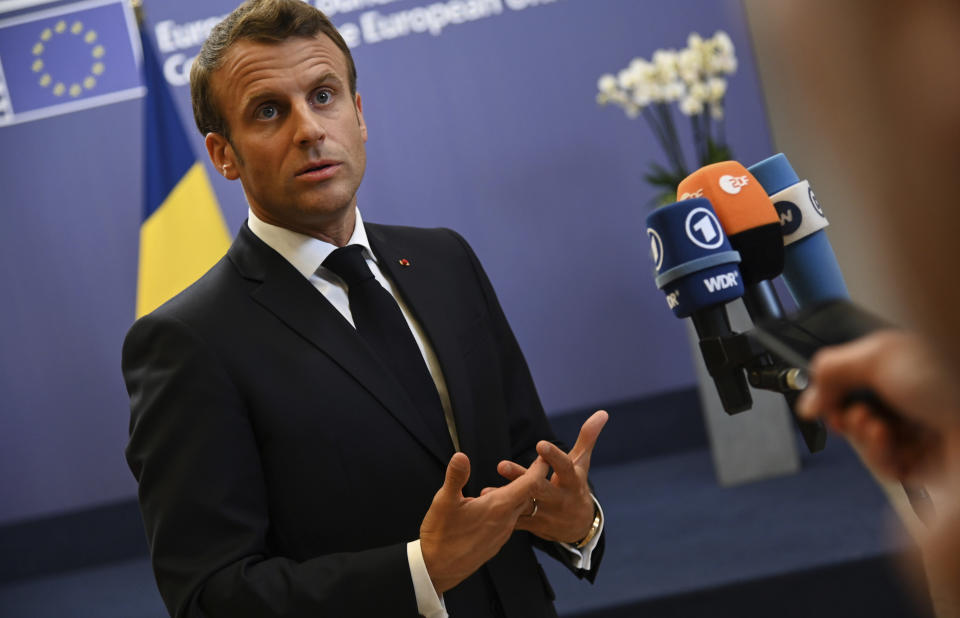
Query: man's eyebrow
<point x="329" y="76"/>
<point x="256" y="98"/>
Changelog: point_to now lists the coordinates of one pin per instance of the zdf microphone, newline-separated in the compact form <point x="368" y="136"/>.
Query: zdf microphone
<point x="750" y="220"/>
<point x="746" y="214"/>
<point x="697" y="270"/>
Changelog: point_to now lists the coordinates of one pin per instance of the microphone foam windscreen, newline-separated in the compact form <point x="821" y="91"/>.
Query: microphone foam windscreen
<point x="810" y="269"/>
<point x="746" y="214"/>
<point x="738" y="199"/>
<point x="694" y="263"/>
<point x="774" y="173"/>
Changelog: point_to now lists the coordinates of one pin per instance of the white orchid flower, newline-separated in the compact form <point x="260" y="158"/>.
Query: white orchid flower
<point x="722" y="42"/>
<point x="699" y="91"/>
<point x="607" y="83"/>
<point x="674" y="91"/>
<point x="626" y="79"/>
<point x="665" y="61"/>
<point x="691" y="106"/>
<point x="689" y="65"/>
<point x="716" y="89"/>
<point x="642" y="96"/>
<point x="640" y="66"/>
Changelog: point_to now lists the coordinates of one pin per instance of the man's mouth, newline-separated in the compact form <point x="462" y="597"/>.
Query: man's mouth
<point x="318" y="168"/>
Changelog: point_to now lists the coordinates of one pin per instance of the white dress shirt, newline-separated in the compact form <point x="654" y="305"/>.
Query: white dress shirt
<point x="307" y="254"/>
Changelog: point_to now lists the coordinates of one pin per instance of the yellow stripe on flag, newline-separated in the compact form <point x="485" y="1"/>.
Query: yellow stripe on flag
<point x="180" y="241"/>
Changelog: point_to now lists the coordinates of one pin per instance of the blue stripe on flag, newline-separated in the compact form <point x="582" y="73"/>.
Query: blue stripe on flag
<point x="169" y="154"/>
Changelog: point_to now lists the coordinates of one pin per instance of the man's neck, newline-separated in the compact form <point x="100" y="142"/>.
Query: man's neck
<point x="338" y="234"/>
<point x="337" y="231"/>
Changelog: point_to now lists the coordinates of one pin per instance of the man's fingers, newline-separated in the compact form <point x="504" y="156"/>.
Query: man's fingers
<point x="878" y="445"/>
<point x="810" y="403"/>
<point x="510" y="470"/>
<point x="587" y="439"/>
<point x="521" y="489"/>
<point x="458" y="472"/>
<point x="537" y="470"/>
<point x="561" y="463"/>
<point x="847" y="364"/>
<point x="836" y="370"/>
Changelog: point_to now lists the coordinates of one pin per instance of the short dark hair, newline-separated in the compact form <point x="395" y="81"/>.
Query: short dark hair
<point x="267" y="21"/>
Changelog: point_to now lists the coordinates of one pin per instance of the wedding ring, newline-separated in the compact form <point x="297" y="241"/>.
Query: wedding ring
<point x="535" y="507"/>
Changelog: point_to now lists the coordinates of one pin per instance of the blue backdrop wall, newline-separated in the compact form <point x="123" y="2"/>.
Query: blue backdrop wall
<point x="487" y="126"/>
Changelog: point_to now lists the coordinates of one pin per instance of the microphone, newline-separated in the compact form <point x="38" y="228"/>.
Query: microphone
<point x="751" y="223"/>
<point x="810" y="270"/>
<point x="813" y="275"/>
<point x="746" y="214"/>
<point x="697" y="270"/>
<point x="753" y="226"/>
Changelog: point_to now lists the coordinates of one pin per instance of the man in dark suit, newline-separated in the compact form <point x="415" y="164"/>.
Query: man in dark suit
<point x="286" y="464"/>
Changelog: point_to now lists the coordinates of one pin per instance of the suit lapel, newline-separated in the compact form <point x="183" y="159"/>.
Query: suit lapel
<point x="293" y="300"/>
<point x="418" y="286"/>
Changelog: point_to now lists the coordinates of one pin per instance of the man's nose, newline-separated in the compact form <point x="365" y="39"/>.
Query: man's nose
<point x="309" y="127"/>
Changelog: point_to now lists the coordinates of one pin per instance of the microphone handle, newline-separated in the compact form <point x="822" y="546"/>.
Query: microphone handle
<point x="763" y="304"/>
<point x="713" y="323"/>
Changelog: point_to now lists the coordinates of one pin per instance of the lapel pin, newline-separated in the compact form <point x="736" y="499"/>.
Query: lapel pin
<point x="404" y="262"/>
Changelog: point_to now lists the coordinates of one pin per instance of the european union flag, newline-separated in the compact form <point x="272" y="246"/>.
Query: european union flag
<point x="68" y="58"/>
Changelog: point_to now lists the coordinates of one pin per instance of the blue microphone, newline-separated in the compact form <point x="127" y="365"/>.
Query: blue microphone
<point x="810" y="269"/>
<point x="697" y="270"/>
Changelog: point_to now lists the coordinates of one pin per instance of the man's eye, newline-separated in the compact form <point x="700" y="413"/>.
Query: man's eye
<point x="322" y="97"/>
<point x="267" y="112"/>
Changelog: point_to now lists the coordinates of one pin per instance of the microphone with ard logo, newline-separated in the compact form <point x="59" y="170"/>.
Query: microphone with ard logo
<point x="697" y="270"/>
<point x="810" y="270"/>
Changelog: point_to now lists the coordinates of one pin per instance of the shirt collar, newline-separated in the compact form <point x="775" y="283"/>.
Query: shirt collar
<point x="304" y="253"/>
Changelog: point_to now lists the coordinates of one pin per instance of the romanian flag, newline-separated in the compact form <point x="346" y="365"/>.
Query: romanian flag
<point x="183" y="232"/>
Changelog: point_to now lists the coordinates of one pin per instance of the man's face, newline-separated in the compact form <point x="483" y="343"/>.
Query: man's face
<point x="296" y="133"/>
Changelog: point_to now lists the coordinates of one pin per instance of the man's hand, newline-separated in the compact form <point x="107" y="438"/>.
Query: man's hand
<point x="459" y="534"/>
<point x="906" y="375"/>
<point x="564" y="507"/>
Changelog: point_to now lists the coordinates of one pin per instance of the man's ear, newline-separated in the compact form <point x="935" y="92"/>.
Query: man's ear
<point x="363" y="125"/>
<point x="222" y="155"/>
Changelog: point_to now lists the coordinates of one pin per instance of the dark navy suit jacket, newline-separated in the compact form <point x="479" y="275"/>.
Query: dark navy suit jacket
<point x="282" y="470"/>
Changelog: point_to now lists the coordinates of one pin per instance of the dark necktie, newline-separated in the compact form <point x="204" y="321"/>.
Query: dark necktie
<point x="380" y="323"/>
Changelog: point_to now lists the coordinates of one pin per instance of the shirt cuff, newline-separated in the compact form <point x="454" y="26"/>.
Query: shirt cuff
<point x="429" y="604"/>
<point x="581" y="557"/>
